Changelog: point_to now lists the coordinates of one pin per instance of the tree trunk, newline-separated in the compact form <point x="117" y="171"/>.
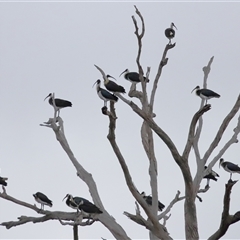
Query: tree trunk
<point x="75" y="232"/>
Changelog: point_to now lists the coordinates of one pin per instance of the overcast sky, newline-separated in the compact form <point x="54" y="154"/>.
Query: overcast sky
<point x="52" y="47"/>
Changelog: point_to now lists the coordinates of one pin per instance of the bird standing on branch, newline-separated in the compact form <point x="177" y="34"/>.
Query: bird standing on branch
<point x="205" y="93"/>
<point x="229" y="167"/>
<point x="59" y="103"/>
<point x="42" y="199"/>
<point x="170" y="32"/>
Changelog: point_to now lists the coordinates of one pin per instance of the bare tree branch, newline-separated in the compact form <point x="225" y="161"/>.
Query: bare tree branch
<point x="4" y="195"/>
<point x="222" y="129"/>
<point x="111" y="137"/>
<point x="139" y="220"/>
<point x="227" y="219"/>
<point x="48" y="215"/>
<point x="105" y="218"/>
<point x="171" y="204"/>
<point x="231" y="141"/>
<point x="162" y="63"/>
<point x="154" y="127"/>
<point x="87" y="223"/>
<point x="134" y="93"/>
<point x="190" y="139"/>
<point x="139" y="38"/>
<point x="206" y="71"/>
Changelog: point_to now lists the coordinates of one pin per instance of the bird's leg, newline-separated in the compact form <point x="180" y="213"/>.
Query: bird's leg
<point x="207" y="186"/>
<point x="105" y="104"/>
<point x="230" y="176"/>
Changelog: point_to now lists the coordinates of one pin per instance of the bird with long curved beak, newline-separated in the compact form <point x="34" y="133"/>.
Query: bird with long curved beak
<point x="72" y="202"/>
<point x="229" y="167"/>
<point x="104" y="94"/>
<point x="82" y="204"/>
<point x="205" y="93"/>
<point x="59" y="103"/>
<point x="132" y="77"/>
<point x="112" y="86"/>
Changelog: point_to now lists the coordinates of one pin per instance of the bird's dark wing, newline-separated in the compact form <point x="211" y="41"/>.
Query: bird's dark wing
<point x="133" y="76"/>
<point x="113" y="87"/>
<point x="89" y="207"/>
<point x="108" y="95"/>
<point x="169" y="33"/>
<point x="161" y="206"/>
<point x="232" y="167"/>
<point x="149" y="202"/>
<point x="78" y="200"/>
<point x="3" y="181"/>
<point x="43" y="197"/>
<point x="209" y="93"/>
<point x="62" y="103"/>
<point x="210" y="176"/>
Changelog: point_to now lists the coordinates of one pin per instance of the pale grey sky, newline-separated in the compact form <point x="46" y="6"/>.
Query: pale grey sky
<point x="52" y="47"/>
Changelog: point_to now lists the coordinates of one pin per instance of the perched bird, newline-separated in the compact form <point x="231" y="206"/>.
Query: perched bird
<point x="43" y="199"/>
<point x="3" y="181"/>
<point x="229" y="167"/>
<point x="148" y="200"/>
<point x="133" y="77"/>
<point x="205" y="93"/>
<point x="112" y="86"/>
<point x="210" y="175"/>
<point x="60" y="103"/>
<point x="74" y="202"/>
<point x="170" y="32"/>
<point x="104" y="94"/>
<point x="82" y="204"/>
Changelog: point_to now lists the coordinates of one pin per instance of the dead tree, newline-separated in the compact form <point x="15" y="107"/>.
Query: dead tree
<point x="149" y="127"/>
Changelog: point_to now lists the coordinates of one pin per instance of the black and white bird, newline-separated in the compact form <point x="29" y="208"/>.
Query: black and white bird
<point x="205" y="93"/>
<point x="112" y="86"/>
<point x="104" y="94"/>
<point x="170" y="32"/>
<point x="212" y="175"/>
<point x="229" y="167"/>
<point x="43" y="199"/>
<point x="60" y="103"/>
<point x="148" y="200"/>
<point x="82" y="204"/>
<point x="132" y="77"/>
<point x="3" y="181"/>
<point x="74" y="202"/>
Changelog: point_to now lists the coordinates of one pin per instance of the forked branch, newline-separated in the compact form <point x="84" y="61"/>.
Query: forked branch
<point x="190" y="139"/>
<point x="158" y="228"/>
<point x="222" y="129"/>
<point x="227" y="219"/>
